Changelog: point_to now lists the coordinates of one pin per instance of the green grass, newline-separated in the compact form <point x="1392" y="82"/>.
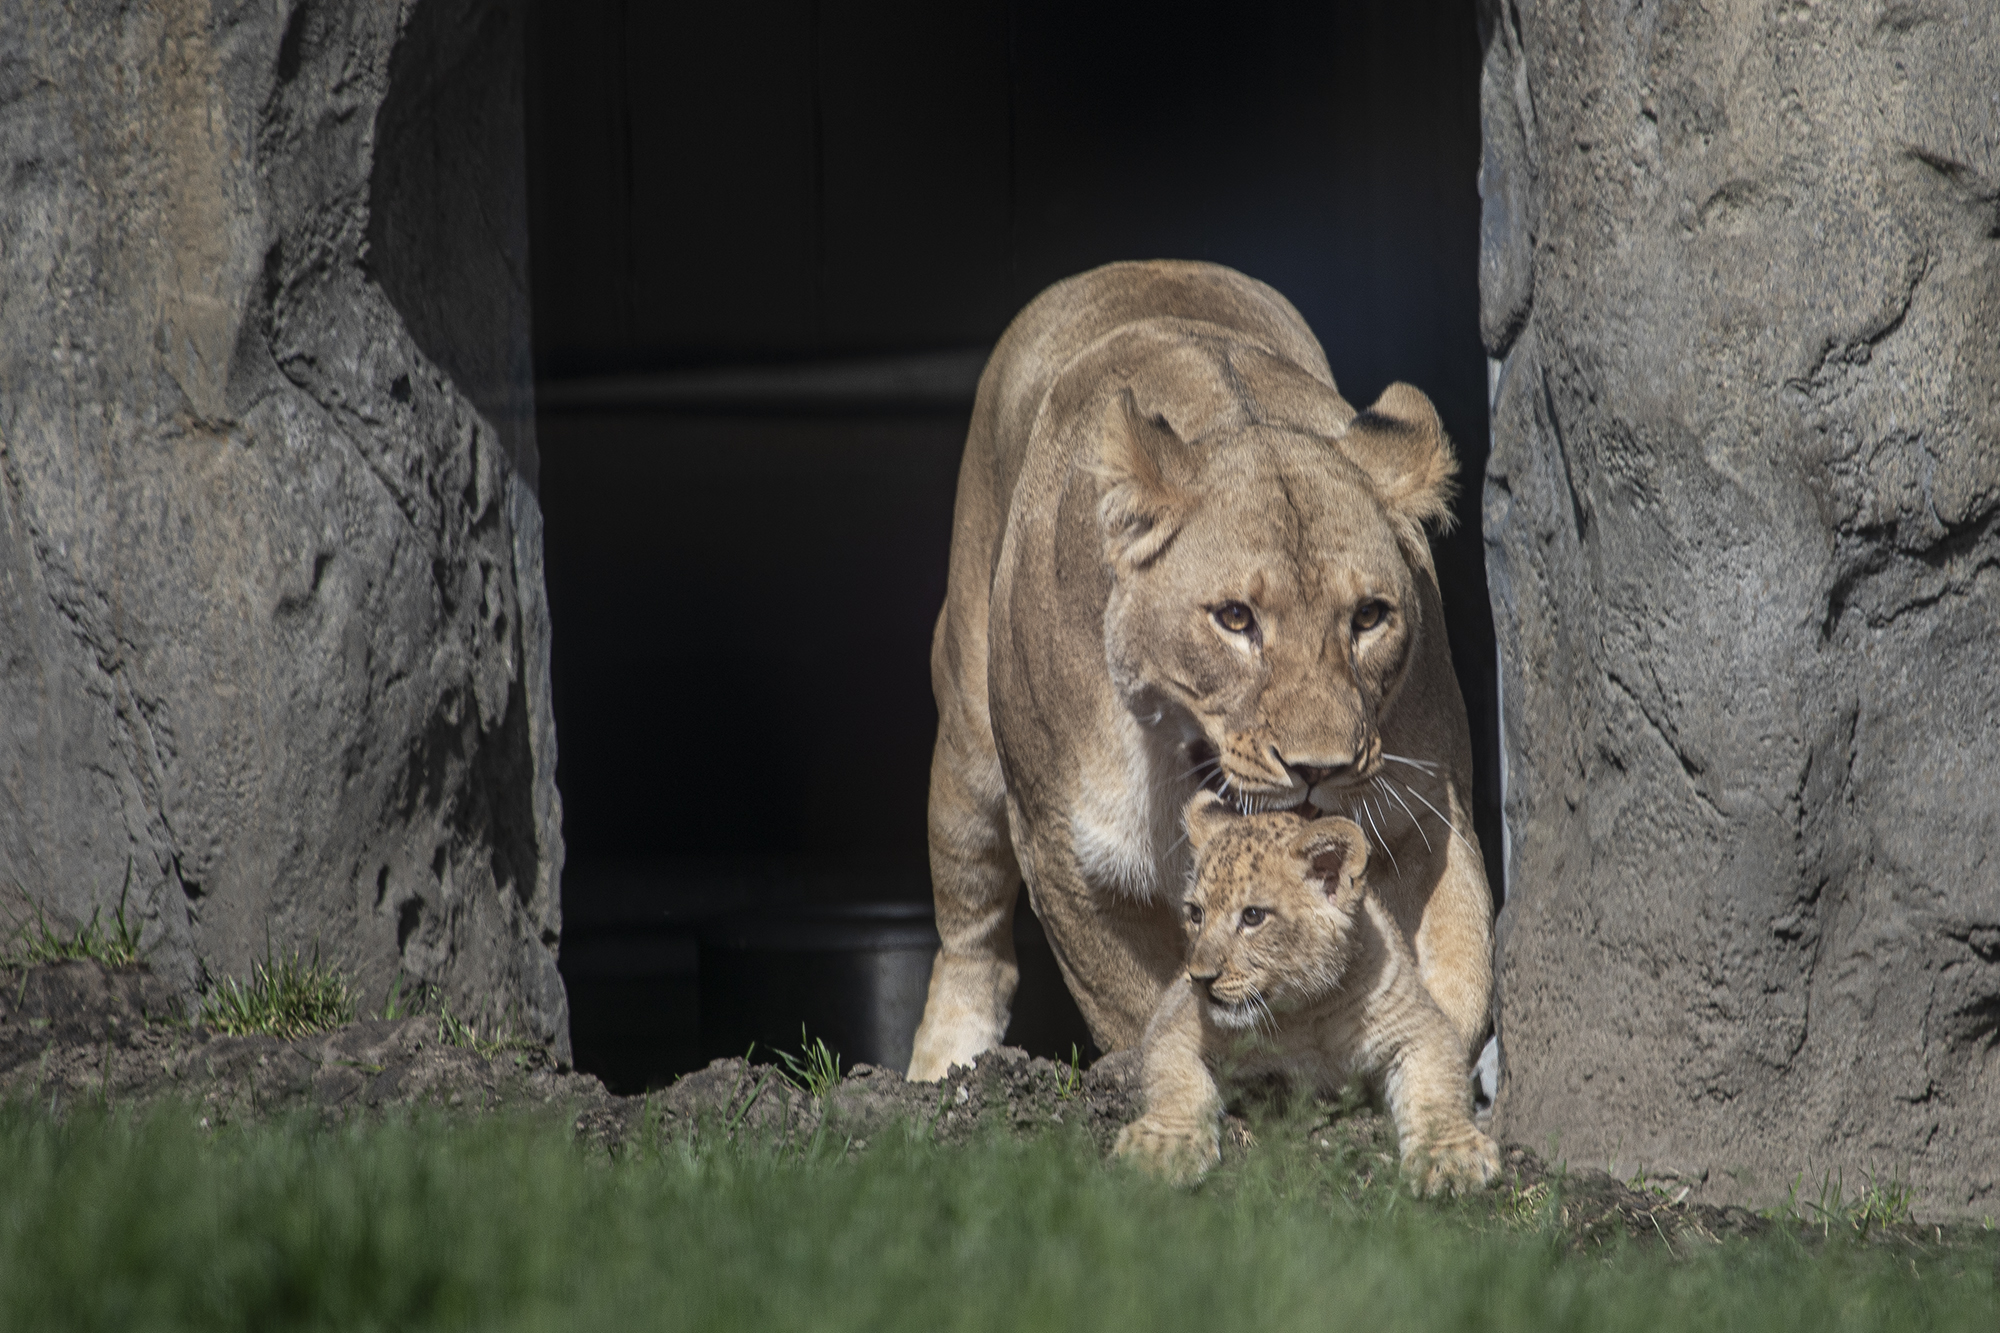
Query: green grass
<point x="288" y="997"/>
<point x="115" y="1222"/>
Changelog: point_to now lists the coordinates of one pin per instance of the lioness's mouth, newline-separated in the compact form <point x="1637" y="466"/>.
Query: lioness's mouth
<point x="1207" y="765"/>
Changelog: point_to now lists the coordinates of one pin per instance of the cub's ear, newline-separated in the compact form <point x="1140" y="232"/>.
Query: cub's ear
<point x="1144" y="470"/>
<point x="1401" y="445"/>
<point x="1207" y="813"/>
<point x="1335" y="852"/>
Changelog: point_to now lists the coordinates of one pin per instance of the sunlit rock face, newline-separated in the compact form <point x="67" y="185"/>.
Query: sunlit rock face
<point x="273" y="637"/>
<point x="1741" y="288"/>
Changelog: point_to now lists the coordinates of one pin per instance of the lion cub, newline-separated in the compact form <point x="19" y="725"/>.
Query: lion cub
<point x="1295" y="967"/>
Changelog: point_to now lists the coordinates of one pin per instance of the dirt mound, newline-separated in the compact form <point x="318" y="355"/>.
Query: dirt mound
<point x="77" y="1031"/>
<point x="1004" y="1089"/>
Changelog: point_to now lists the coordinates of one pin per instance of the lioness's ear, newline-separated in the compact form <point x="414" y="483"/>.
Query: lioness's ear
<point x="1142" y="466"/>
<point x="1334" y="852"/>
<point x="1401" y="445"/>
<point x="1206" y="813"/>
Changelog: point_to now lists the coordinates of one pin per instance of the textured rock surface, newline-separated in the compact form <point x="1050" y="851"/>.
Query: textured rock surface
<point x="1742" y="284"/>
<point x="272" y="625"/>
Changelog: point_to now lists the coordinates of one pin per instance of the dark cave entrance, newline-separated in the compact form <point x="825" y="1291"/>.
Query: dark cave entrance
<point x="770" y="244"/>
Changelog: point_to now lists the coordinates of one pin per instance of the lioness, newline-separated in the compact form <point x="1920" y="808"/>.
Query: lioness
<point x="1180" y="559"/>
<point x="1295" y="968"/>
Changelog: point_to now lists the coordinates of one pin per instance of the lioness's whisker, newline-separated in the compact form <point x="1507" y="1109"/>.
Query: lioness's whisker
<point x="1212" y="763"/>
<point x="1423" y="765"/>
<point x="1406" y="810"/>
<point x="1441" y="815"/>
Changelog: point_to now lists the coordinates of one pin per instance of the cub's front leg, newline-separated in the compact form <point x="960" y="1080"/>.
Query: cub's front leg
<point x="1428" y="1089"/>
<point x="1179" y="1136"/>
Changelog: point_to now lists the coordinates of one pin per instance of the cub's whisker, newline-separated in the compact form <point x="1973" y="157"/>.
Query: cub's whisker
<point x="1265" y="1019"/>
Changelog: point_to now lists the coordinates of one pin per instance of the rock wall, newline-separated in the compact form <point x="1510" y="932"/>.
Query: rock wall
<point x="273" y="637"/>
<point x="1741" y="286"/>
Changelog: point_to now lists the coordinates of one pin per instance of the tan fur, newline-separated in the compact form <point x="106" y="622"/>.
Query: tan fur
<point x="1320" y="988"/>
<point x="1150" y="442"/>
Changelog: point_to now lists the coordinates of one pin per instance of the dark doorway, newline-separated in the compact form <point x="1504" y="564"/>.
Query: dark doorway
<point x="770" y="245"/>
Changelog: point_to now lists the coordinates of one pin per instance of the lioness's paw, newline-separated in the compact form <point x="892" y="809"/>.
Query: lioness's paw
<point x="1181" y="1152"/>
<point x="1459" y="1161"/>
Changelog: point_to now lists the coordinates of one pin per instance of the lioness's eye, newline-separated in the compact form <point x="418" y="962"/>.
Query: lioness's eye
<point x="1253" y="916"/>
<point x="1368" y="615"/>
<point x="1234" y="617"/>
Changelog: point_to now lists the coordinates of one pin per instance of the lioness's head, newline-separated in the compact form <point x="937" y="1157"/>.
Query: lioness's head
<point x="1264" y="584"/>
<point x="1270" y="912"/>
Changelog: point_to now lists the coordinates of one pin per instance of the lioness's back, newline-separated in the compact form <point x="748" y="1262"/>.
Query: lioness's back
<point x="1067" y="318"/>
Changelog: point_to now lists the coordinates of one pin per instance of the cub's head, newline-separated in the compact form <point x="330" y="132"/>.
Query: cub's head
<point x="1270" y="914"/>
<point x="1265" y="576"/>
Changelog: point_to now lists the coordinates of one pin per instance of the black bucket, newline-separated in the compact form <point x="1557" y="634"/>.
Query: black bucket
<point x="855" y="975"/>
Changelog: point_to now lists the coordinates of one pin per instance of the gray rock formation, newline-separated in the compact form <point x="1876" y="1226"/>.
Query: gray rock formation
<point x="273" y="638"/>
<point x="1741" y="285"/>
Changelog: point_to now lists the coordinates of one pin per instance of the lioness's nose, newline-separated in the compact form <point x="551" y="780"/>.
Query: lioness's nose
<point x="1312" y="775"/>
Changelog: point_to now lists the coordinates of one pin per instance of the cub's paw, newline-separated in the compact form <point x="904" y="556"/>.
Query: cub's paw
<point x="1459" y="1160"/>
<point x="1178" y="1150"/>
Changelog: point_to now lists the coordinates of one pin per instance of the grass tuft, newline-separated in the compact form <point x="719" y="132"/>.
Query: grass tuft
<point x="1072" y="1082"/>
<point x="114" y="943"/>
<point x="455" y="1031"/>
<point x="816" y="1071"/>
<point x="1877" y="1204"/>
<point x="401" y="1003"/>
<point x="290" y="997"/>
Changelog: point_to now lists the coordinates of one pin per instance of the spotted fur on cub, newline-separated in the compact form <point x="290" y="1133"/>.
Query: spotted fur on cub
<point x="1295" y="968"/>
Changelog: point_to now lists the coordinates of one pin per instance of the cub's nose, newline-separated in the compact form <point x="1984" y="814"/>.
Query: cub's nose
<point x="1204" y="979"/>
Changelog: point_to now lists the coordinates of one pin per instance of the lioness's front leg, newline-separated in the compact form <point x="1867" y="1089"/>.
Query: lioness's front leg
<point x="975" y="878"/>
<point x="1454" y="944"/>
<point x="1180" y="1134"/>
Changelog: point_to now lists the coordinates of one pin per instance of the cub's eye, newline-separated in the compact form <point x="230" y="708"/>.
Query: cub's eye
<point x="1194" y="914"/>
<point x="1235" y="617"/>
<point x="1253" y="916"/>
<point x="1368" y="615"/>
